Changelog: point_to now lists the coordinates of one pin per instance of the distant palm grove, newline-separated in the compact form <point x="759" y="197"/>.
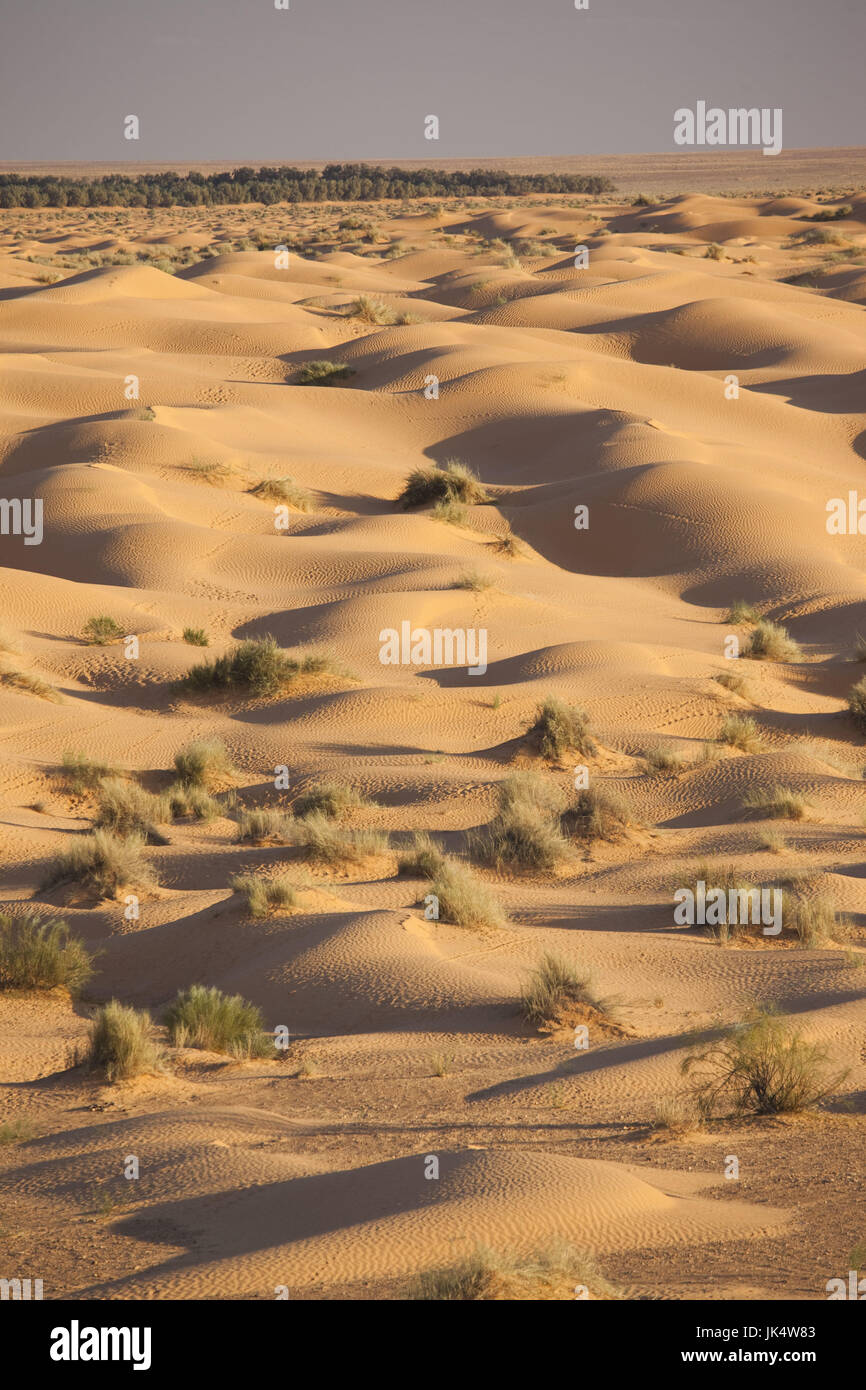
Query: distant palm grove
<point x="336" y="183"/>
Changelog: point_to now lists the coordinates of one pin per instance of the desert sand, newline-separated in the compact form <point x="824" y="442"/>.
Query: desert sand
<point x="605" y="386"/>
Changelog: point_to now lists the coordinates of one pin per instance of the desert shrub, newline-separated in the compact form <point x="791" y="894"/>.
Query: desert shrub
<point x="715" y="252"/>
<point x="332" y="799"/>
<point x="102" y="630"/>
<point x="474" y="580"/>
<point x="325" y="842"/>
<point x="204" y="1017"/>
<point x="16" y="678"/>
<point x="323" y="373"/>
<point x="259" y="825"/>
<point x="186" y="800"/>
<point x="213" y="471"/>
<point x="203" y="763"/>
<point x="262" y="895"/>
<point x="83" y="774"/>
<point x="666" y="760"/>
<point x="127" y="809"/>
<point x="742" y="613"/>
<point x="554" y="986"/>
<point x="452" y="481"/>
<point x="739" y="731"/>
<point x="832" y="214"/>
<point x="525" y="833"/>
<point x="16" y="1131"/>
<point x="371" y="310"/>
<point x="284" y="490"/>
<point x="422" y="858"/>
<point x="761" y="1067"/>
<point x="857" y="703"/>
<point x="450" y="514"/>
<point x="773" y="841"/>
<point x="775" y="803"/>
<point x="102" y="862"/>
<point x="597" y="814"/>
<point x="258" y="666"/>
<point x="731" y="681"/>
<point x="196" y="637"/>
<point x="122" y="1043"/>
<point x="676" y="1115"/>
<point x="560" y="729"/>
<point x="816" y="921"/>
<point x="40" y="953"/>
<point x="508" y="546"/>
<point x="771" y="642"/>
<point x="465" y="899"/>
<point x="489" y="1276"/>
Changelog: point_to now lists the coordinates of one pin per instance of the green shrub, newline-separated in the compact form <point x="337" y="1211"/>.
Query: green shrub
<point x="759" y="1067"/>
<point x="189" y="800"/>
<point x="257" y="666"/>
<point x="102" y="630"/>
<point x="204" y="1017"/>
<point x="525" y="833"/>
<point x="371" y="310"/>
<point x="196" y="637"/>
<point x="597" y="814"/>
<point x="122" y="1043"/>
<point x="742" y="613"/>
<point x="40" y="953"/>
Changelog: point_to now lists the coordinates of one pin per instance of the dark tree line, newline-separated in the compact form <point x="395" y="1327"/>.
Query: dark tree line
<point x="352" y="183"/>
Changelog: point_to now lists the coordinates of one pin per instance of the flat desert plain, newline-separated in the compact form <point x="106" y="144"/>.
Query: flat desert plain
<point x="638" y="535"/>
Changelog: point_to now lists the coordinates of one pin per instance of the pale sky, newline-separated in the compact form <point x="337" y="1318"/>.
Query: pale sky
<point x="353" y="79"/>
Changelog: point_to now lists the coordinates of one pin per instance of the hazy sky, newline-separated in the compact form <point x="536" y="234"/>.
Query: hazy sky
<point x="352" y="79"/>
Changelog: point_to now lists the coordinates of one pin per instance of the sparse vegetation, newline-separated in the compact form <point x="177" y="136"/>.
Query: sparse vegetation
<point x="204" y="1017"/>
<point x="16" y="678"/>
<point x="730" y="680"/>
<point x="325" y="842"/>
<point x="816" y="921"/>
<point x="771" y="642"/>
<point x="103" y="863"/>
<point x="196" y="637"/>
<point x="257" y="666"/>
<point x="559" y="729"/>
<point x="371" y="310"/>
<point x="740" y="731"/>
<point x="203" y="763"/>
<point x="324" y="373"/>
<point x="761" y="1066"/>
<point x="122" y="1044"/>
<point x="263" y="895"/>
<point x="491" y="1277"/>
<point x="857" y="704"/>
<point x="474" y="580"/>
<point x="40" y="953"/>
<point x="775" y="803"/>
<point x="741" y="613"/>
<point x="525" y="833"/>
<point x="185" y="800"/>
<point x="464" y="899"/>
<point x="127" y="809"/>
<point x="554" y="987"/>
<point x="284" y="490"/>
<point x="259" y="826"/>
<point x="84" y="774"/>
<point x="329" y="798"/>
<point x="422" y="858"/>
<point x="597" y="814"/>
<point x="449" y="482"/>
<point x="98" y="632"/>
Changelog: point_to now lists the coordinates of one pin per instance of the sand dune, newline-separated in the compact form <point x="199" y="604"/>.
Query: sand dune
<point x="561" y="387"/>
